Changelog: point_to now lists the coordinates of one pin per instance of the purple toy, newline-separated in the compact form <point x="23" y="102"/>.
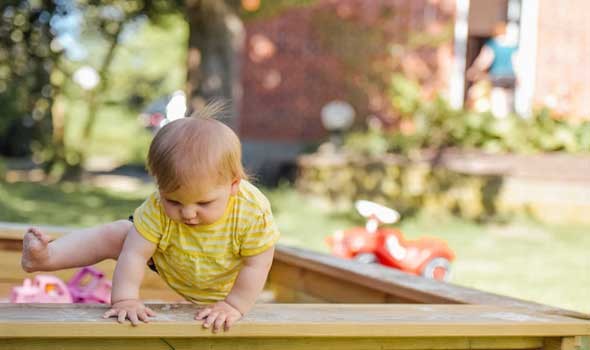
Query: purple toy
<point x="43" y="289"/>
<point x="95" y="290"/>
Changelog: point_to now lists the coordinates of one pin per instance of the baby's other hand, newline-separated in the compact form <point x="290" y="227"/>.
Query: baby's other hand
<point x="220" y="314"/>
<point x="132" y="309"/>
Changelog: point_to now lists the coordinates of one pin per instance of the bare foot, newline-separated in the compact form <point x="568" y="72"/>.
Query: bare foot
<point x="35" y="250"/>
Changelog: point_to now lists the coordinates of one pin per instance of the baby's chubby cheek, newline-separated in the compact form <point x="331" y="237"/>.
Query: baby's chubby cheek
<point x="172" y="214"/>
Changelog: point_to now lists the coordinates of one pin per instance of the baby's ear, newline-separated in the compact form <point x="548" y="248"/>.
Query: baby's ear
<point x="235" y="186"/>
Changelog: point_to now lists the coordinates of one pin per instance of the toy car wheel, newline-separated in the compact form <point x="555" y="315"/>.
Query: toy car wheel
<point x="366" y="258"/>
<point x="438" y="269"/>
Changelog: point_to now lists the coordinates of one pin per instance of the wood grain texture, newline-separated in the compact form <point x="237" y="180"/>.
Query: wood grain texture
<point x="293" y="320"/>
<point x="226" y="343"/>
<point x="400" y="286"/>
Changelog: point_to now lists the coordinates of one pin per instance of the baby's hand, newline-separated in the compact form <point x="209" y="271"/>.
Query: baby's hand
<point x="219" y="314"/>
<point x="132" y="309"/>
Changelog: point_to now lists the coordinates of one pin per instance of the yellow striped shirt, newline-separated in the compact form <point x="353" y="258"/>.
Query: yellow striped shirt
<point x="202" y="262"/>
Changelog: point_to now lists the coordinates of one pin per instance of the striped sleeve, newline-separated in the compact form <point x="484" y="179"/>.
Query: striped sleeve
<point x="261" y="235"/>
<point x="148" y="220"/>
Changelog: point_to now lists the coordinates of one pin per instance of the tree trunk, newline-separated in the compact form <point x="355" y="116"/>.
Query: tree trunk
<point x="216" y="36"/>
<point x="102" y="86"/>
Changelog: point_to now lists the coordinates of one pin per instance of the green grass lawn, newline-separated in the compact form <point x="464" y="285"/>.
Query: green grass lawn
<point x="523" y="259"/>
<point x="549" y="264"/>
<point x="67" y="204"/>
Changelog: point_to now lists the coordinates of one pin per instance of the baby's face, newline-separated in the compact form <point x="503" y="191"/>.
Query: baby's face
<point x="192" y="207"/>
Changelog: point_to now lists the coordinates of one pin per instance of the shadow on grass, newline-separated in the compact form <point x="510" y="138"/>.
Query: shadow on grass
<point x="69" y="204"/>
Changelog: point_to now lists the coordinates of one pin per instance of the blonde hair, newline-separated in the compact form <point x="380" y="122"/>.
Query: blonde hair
<point x="195" y="151"/>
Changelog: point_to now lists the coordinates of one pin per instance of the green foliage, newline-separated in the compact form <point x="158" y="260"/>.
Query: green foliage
<point x="117" y="135"/>
<point x="150" y="63"/>
<point x="435" y="125"/>
<point x="405" y="95"/>
<point x="271" y="8"/>
<point x="373" y="142"/>
<point x="35" y="72"/>
<point x="26" y="61"/>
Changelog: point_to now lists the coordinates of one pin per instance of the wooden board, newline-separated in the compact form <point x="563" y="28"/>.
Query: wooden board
<point x="300" y="275"/>
<point x="285" y="278"/>
<point x="293" y="320"/>
<point x="267" y="343"/>
<point x="398" y="286"/>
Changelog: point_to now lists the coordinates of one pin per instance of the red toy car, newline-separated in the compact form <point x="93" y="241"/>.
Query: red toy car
<point x="427" y="256"/>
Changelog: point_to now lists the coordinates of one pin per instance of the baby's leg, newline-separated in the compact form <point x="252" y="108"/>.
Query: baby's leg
<point x="77" y="249"/>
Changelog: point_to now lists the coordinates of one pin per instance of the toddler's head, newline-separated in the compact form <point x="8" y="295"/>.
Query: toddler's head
<point x="197" y="164"/>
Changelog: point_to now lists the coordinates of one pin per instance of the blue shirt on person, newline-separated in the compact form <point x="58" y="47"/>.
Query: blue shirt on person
<point x="502" y="64"/>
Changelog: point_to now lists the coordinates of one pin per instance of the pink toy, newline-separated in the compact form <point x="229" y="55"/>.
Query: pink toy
<point x="96" y="289"/>
<point x="43" y="289"/>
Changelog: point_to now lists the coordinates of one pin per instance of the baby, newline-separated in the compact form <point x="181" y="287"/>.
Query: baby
<point x="207" y="231"/>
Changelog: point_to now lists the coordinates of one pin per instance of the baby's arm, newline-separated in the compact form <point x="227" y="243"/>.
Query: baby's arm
<point x="250" y="281"/>
<point x="127" y="279"/>
<point x="248" y="285"/>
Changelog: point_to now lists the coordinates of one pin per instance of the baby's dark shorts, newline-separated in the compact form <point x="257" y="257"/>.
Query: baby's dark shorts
<point x="150" y="262"/>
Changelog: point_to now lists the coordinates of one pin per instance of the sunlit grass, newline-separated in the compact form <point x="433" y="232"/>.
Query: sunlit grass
<point x="549" y="264"/>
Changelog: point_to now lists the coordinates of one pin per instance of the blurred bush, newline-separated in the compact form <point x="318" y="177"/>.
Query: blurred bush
<point x="403" y="184"/>
<point x="404" y="166"/>
<point x="433" y="124"/>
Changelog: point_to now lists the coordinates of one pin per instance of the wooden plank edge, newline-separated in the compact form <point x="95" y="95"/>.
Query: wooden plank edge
<point x="292" y="320"/>
<point x="408" y="286"/>
<point x="296" y="330"/>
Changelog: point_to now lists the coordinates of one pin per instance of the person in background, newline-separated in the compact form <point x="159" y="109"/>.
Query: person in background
<point x="498" y="58"/>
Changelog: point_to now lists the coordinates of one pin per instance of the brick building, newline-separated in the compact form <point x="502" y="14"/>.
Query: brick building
<point x="563" y="57"/>
<point x="291" y="69"/>
<point x="298" y="61"/>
